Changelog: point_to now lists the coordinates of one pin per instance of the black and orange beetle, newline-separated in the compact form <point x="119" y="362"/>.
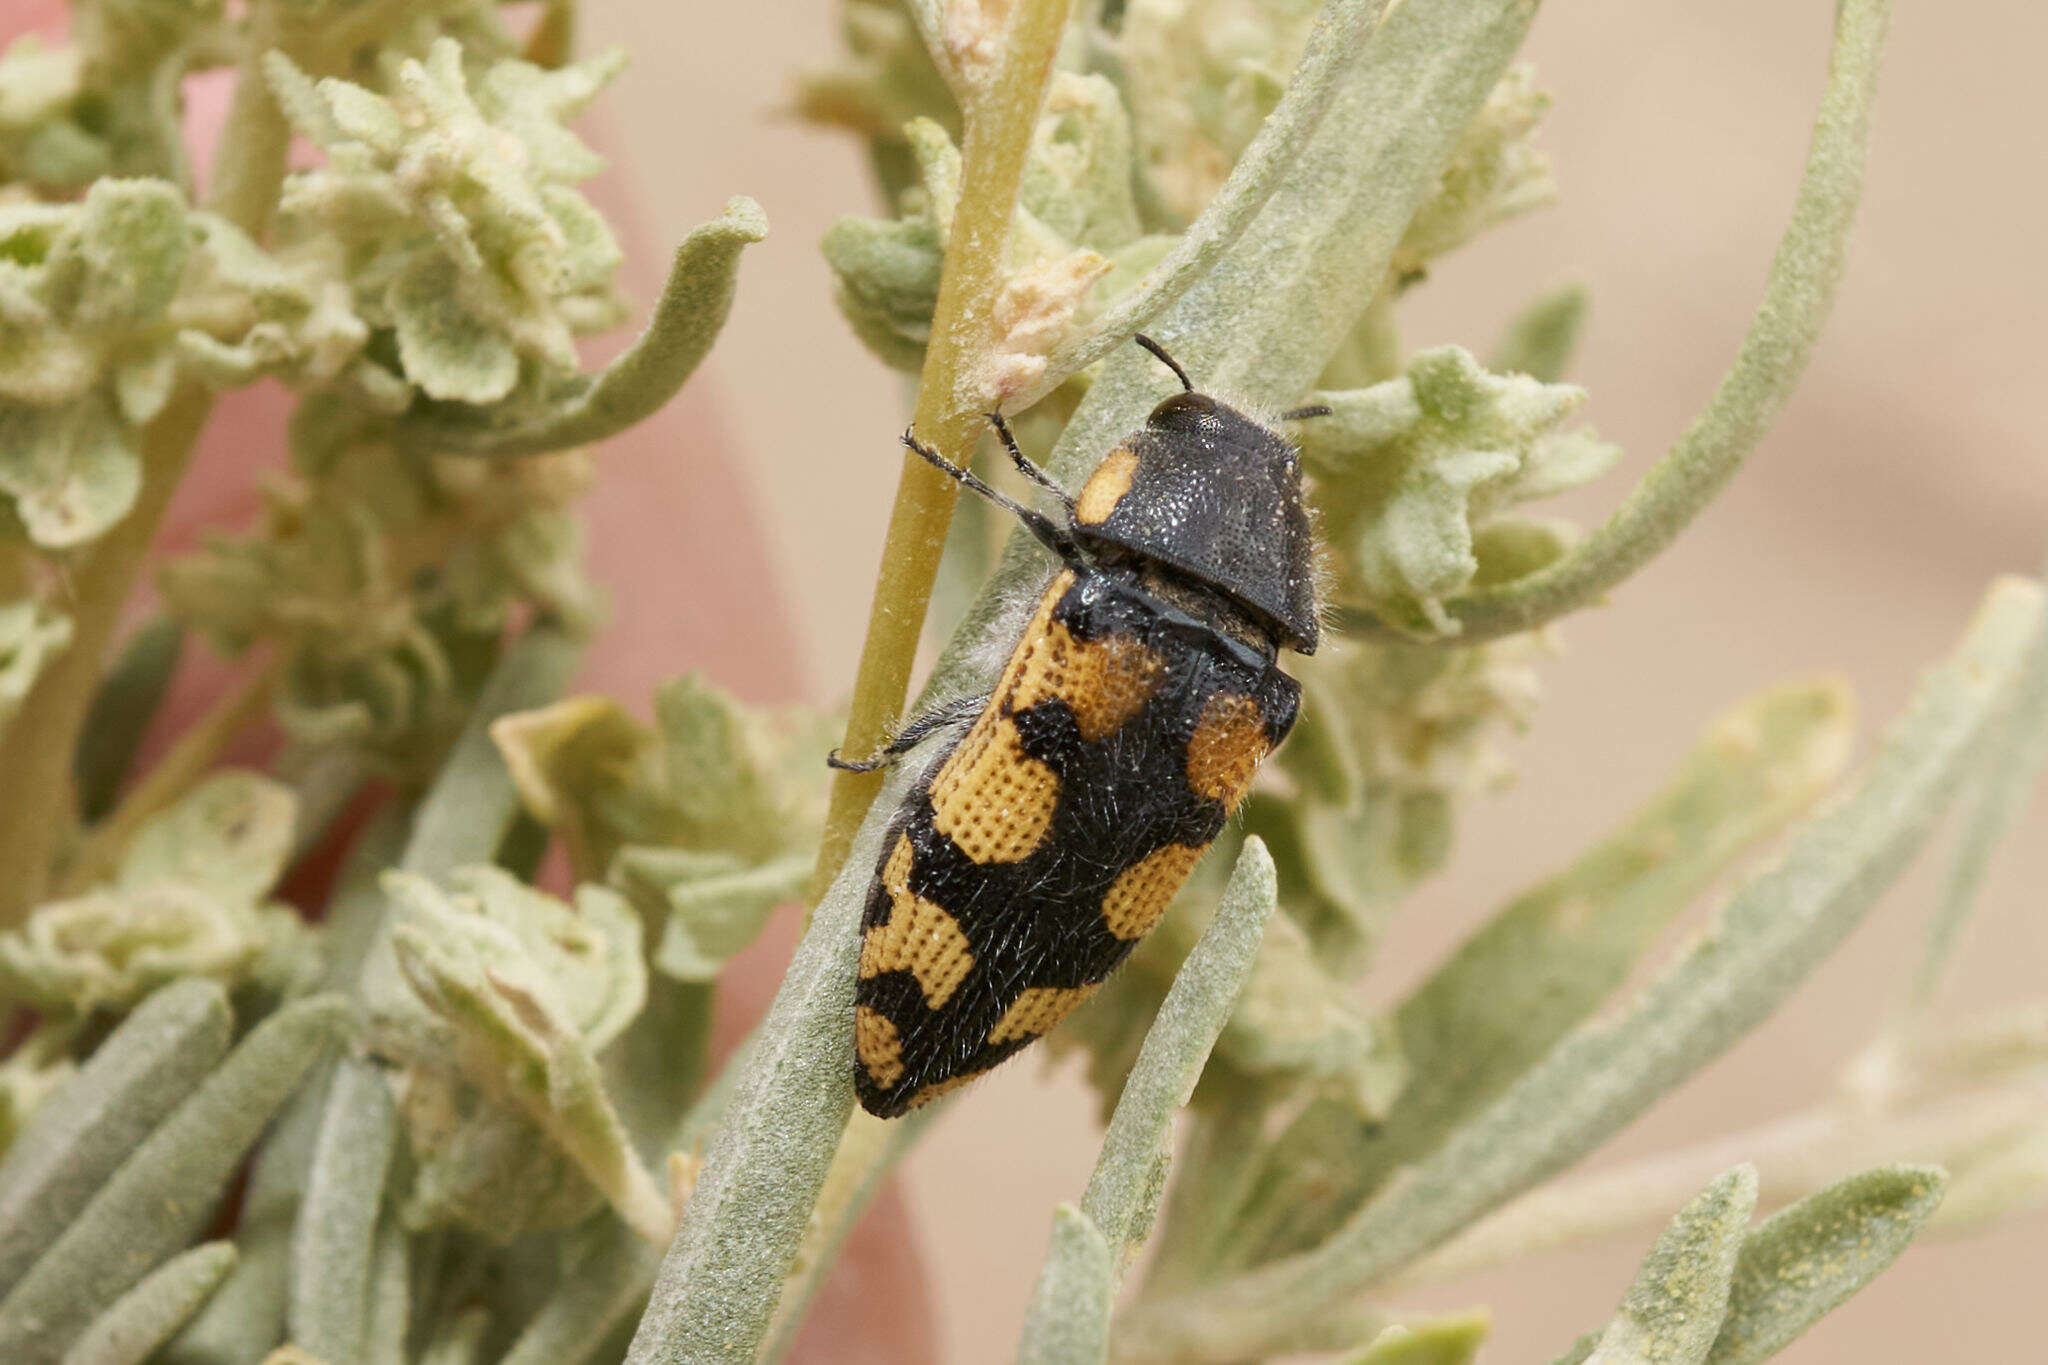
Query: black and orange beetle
<point x="1046" y="839"/>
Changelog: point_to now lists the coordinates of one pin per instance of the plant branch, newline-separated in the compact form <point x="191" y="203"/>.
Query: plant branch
<point x="1339" y="35"/>
<point x="1775" y="929"/>
<point x="37" y="749"/>
<point x="1798" y="296"/>
<point x="1000" y="119"/>
<point x="181" y="767"/>
<point x="1796" y="1156"/>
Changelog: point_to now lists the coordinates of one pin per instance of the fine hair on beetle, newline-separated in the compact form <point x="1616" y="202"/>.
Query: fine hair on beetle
<point x="1057" y="815"/>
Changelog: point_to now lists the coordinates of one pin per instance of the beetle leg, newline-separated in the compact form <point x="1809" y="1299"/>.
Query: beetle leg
<point x="1053" y="537"/>
<point x="917" y="731"/>
<point x="1026" y="468"/>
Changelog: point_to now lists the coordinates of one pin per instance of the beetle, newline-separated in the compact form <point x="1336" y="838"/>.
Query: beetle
<point x="1044" y="839"/>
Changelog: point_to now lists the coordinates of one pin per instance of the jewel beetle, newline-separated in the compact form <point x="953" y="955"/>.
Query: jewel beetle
<point x="1047" y="836"/>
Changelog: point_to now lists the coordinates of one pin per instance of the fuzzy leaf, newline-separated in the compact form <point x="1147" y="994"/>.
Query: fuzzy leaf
<point x="1797" y="299"/>
<point x="607" y="1269"/>
<point x="332" y="1237"/>
<point x="166" y="1190"/>
<point x="714" y="907"/>
<point x="1547" y="960"/>
<point x="152" y="1312"/>
<point x="1123" y="1192"/>
<point x="79" y="1136"/>
<point x="1443" y="1341"/>
<point x="30" y="636"/>
<point x="1494" y="175"/>
<point x="1801" y="1263"/>
<point x="1541" y="340"/>
<point x="186" y="899"/>
<point x="229" y="838"/>
<point x="447" y="350"/>
<point x="1775" y="929"/>
<point x="72" y="471"/>
<point x="122" y="708"/>
<point x="694" y="303"/>
<point x="1407" y="470"/>
<point x="532" y="990"/>
<point x="1674" y="1307"/>
<point x="1068" y="1318"/>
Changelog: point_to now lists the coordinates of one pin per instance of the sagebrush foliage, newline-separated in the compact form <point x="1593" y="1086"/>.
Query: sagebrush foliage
<point x="479" y="1118"/>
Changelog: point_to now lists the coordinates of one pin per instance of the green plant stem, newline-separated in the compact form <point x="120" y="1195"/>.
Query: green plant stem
<point x="36" y="750"/>
<point x="999" y="123"/>
<point x="181" y="767"/>
<point x="35" y="753"/>
<point x="1798" y="297"/>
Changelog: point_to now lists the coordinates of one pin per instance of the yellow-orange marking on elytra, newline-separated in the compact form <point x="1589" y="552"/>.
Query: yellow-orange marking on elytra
<point x="1103" y="682"/>
<point x="878" y="1045"/>
<point x="1106" y="486"/>
<point x="938" y="1088"/>
<point x="991" y="798"/>
<point x="1141" y="893"/>
<point x="1229" y="741"/>
<point x="1037" y="1009"/>
<point x="919" y="937"/>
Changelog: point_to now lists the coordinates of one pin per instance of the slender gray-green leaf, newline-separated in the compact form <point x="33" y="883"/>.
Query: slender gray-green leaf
<point x="1541" y="340"/>
<point x="1068" y="1320"/>
<point x="1774" y="931"/>
<point x="1576" y="1353"/>
<point x="1673" y="1308"/>
<point x="1802" y="1262"/>
<point x="165" y="1191"/>
<point x="687" y="318"/>
<point x="2013" y="764"/>
<point x="333" y="1240"/>
<point x="472" y="802"/>
<point x="606" y="1278"/>
<point x="1333" y="46"/>
<point x="121" y="710"/>
<point x="464" y="815"/>
<point x="457" y="1340"/>
<point x="245" y="1317"/>
<point x="390" y="1316"/>
<point x="1264" y="321"/>
<point x="147" y="1315"/>
<point x="715" y="1296"/>
<point x="869" y="1149"/>
<point x="1441" y="1341"/>
<point x="1092" y="1245"/>
<point x="1544" y="963"/>
<point x="1798" y="296"/>
<point x="1123" y="1192"/>
<point x="82" y="1134"/>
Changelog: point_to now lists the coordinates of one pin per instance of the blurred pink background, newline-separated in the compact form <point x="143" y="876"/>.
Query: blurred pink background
<point x="1907" y="472"/>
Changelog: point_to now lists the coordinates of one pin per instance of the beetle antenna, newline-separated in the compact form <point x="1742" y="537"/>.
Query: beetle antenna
<point x="1156" y="349"/>
<point x="1312" y="410"/>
